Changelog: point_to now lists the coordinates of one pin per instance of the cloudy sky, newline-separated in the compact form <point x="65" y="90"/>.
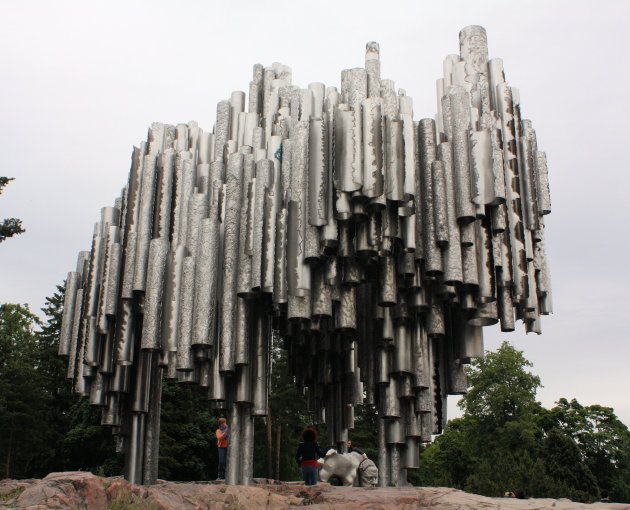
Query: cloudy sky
<point x="80" y="82"/>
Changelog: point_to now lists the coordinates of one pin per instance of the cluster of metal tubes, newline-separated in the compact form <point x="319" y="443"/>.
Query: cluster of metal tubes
<point x="376" y="246"/>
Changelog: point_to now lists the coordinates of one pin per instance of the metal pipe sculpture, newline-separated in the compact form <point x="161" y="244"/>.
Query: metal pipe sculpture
<point x="377" y="246"/>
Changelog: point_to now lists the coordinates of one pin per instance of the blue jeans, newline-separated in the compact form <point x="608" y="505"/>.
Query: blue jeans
<point x="222" y="459"/>
<point x="310" y="475"/>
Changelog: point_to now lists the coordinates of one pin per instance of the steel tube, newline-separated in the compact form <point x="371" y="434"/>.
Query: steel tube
<point x="69" y="302"/>
<point x="145" y="222"/>
<point x="246" y="232"/>
<point x="230" y="252"/>
<point x="431" y="251"/>
<point x="459" y="101"/>
<point x="151" y="323"/>
<point x="438" y="187"/>
<point x="372" y="148"/>
<point x="204" y="313"/>
<point x="185" y="360"/>
<point x="318" y="172"/>
<point x="395" y="160"/>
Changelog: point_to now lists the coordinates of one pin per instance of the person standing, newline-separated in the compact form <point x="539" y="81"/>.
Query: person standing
<point x="222" y="441"/>
<point x="308" y="451"/>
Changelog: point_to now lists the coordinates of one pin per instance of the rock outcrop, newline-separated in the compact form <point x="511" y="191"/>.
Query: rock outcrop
<point x="78" y="489"/>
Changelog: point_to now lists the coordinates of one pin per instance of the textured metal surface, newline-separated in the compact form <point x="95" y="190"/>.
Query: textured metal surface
<point x="230" y="258"/>
<point x="206" y="283"/>
<point x="153" y="304"/>
<point x="145" y="221"/>
<point x="426" y="142"/>
<point x="440" y="216"/>
<point x="318" y="172"/>
<point x="379" y="245"/>
<point x="394" y="159"/>
<point x="372" y="148"/>
<point x="69" y="304"/>
<point x="452" y="254"/>
<point x="184" y="328"/>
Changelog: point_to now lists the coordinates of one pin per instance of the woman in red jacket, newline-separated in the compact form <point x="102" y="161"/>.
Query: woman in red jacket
<point x="222" y="440"/>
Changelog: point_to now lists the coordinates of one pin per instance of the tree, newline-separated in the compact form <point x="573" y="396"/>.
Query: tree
<point x="289" y="412"/>
<point x="21" y="398"/>
<point x="506" y="439"/>
<point x="73" y="435"/>
<point x="56" y="388"/>
<point x="602" y="441"/>
<point x="187" y="442"/>
<point x="45" y="427"/>
<point x="564" y="464"/>
<point x="9" y="226"/>
<point x="365" y="433"/>
<point x="501" y="388"/>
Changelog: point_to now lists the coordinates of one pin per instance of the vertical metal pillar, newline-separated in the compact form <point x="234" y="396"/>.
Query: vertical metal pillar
<point x="152" y="433"/>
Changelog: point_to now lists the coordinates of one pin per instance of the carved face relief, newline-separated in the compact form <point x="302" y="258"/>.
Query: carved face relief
<point x="369" y="477"/>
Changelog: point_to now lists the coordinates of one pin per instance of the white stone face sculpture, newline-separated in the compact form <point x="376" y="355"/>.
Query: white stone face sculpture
<point x="346" y="467"/>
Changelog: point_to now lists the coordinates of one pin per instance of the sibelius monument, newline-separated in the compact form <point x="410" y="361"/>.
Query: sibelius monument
<point x="375" y="245"/>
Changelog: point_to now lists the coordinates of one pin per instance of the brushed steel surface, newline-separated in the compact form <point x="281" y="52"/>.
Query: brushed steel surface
<point x="153" y="304"/>
<point x="145" y="221"/>
<point x="431" y="251"/>
<point x="185" y="360"/>
<point x="379" y="246"/>
<point x="67" y="320"/>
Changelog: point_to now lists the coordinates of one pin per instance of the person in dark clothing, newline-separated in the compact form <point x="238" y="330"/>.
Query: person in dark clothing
<point x="308" y="451"/>
<point x="520" y="494"/>
<point x="352" y="448"/>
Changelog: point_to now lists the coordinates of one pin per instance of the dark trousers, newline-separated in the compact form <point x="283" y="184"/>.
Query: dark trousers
<point x="222" y="459"/>
<point x="310" y="475"/>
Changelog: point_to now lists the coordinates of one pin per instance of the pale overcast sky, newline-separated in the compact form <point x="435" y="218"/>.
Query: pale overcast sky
<point x="80" y="82"/>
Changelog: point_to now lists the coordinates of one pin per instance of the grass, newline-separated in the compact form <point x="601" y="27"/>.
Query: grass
<point x="13" y="494"/>
<point x="125" y="499"/>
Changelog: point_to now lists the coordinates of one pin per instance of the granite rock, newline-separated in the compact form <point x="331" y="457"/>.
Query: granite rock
<point x="78" y="489"/>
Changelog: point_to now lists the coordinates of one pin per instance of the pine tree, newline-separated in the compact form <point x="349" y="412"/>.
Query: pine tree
<point x="22" y="401"/>
<point x="9" y="226"/>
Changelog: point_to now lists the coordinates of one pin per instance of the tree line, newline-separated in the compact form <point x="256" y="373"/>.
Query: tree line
<point x="508" y="440"/>
<point x="505" y="439"/>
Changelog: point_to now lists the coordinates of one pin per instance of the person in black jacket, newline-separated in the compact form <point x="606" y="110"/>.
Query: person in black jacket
<point x="308" y="451"/>
<point x="352" y="448"/>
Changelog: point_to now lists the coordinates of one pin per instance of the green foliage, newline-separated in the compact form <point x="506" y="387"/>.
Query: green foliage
<point x="9" y="226"/>
<point x="603" y="442"/>
<point x="4" y="181"/>
<point x="501" y="389"/>
<point x="564" y="465"/>
<point x="289" y="412"/>
<point x="14" y="494"/>
<point x="364" y="436"/>
<point x="86" y="444"/>
<point x="507" y="440"/>
<point x="22" y="401"/>
<point x="187" y="434"/>
<point x="74" y="437"/>
<point x="46" y="428"/>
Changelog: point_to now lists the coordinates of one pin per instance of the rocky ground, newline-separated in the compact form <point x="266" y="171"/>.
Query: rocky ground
<point x="81" y="490"/>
